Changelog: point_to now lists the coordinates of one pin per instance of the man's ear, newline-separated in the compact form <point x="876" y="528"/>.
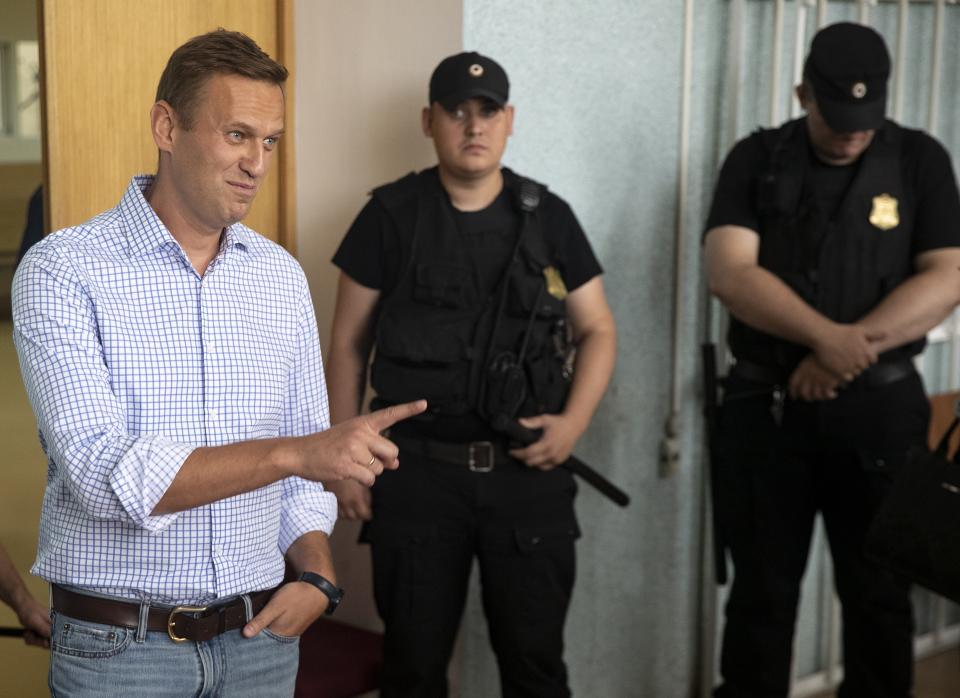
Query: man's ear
<point x="163" y="124"/>
<point x="803" y="94"/>
<point x="508" y="110"/>
<point x="425" y="122"/>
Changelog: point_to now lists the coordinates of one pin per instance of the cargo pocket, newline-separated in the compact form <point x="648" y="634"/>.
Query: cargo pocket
<point x="404" y="561"/>
<point x="882" y="461"/>
<point x="880" y="467"/>
<point x="545" y="537"/>
<point x="546" y="565"/>
<point x="444" y="286"/>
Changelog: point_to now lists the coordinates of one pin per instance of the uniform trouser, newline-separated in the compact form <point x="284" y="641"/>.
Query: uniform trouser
<point x="838" y="458"/>
<point x="430" y="521"/>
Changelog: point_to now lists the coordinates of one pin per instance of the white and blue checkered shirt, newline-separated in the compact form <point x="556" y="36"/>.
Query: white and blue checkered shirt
<point x="131" y="360"/>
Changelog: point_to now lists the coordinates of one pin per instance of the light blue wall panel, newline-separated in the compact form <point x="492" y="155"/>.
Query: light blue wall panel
<point x="597" y="91"/>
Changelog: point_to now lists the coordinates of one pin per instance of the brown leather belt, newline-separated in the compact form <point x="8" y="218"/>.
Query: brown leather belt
<point x="181" y="623"/>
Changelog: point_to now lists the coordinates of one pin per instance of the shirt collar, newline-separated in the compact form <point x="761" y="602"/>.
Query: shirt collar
<point x="147" y="233"/>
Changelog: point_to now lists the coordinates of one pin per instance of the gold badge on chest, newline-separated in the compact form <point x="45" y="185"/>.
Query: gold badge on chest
<point x="884" y="214"/>
<point x="555" y="285"/>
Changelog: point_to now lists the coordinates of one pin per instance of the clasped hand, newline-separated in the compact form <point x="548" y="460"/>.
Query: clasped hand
<point x="553" y="448"/>
<point x="839" y="357"/>
<point x="848" y="350"/>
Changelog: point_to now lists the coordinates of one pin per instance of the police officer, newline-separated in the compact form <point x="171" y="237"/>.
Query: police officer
<point x="471" y="285"/>
<point x="834" y="243"/>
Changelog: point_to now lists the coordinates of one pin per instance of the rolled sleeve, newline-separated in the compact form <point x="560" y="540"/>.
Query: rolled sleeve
<point x="306" y="507"/>
<point x="110" y="473"/>
<point x="142" y="476"/>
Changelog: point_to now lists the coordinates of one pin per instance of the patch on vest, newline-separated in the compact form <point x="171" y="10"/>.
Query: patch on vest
<point x="884" y="214"/>
<point x="555" y="285"/>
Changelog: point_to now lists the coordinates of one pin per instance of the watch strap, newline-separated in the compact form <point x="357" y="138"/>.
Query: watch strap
<point x="328" y="588"/>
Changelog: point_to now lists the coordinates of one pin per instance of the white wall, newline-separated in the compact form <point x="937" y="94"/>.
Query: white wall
<point x="361" y="79"/>
<point x="19" y="23"/>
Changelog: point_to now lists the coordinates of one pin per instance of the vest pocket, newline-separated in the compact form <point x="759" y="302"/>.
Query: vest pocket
<point x="440" y="385"/>
<point x="443" y="285"/>
<point x="549" y="384"/>
<point x="528" y="292"/>
<point x="408" y="333"/>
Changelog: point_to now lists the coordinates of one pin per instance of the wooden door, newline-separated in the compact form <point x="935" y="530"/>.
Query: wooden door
<point x="101" y="62"/>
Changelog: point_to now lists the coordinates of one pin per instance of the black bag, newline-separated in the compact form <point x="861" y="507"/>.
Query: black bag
<point x="916" y="531"/>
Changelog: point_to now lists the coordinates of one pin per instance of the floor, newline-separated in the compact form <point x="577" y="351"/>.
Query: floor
<point x="937" y="676"/>
<point x="22" y="476"/>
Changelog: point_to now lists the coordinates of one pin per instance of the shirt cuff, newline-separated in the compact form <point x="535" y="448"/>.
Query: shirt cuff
<point x="142" y="477"/>
<point x="306" y="507"/>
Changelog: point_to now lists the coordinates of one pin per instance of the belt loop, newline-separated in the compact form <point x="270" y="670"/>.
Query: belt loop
<point x="247" y="606"/>
<point x="143" y="621"/>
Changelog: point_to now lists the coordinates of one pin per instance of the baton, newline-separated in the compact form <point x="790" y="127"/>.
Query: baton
<point x="12" y="632"/>
<point x="708" y="356"/>
<point x="525" y="437"/>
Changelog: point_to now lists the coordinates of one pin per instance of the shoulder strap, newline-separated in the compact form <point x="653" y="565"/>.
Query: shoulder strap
<point x="394" y="193"/>
<point x="527" y="197"/>
<point x="779" y="185"/>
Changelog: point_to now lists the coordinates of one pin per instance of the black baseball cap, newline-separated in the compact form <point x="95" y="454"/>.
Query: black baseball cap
<point x="467" y="75"/>
<point x="848" y="67"/>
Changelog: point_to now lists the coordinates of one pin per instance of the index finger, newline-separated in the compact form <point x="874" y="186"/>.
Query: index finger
<point x="388" y="416"/>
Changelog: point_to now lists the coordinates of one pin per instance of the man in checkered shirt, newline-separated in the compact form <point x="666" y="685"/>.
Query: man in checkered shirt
<point x="172" y="360"/>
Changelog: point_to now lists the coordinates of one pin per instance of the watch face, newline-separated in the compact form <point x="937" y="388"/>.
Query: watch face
<point x="334" y="602"/>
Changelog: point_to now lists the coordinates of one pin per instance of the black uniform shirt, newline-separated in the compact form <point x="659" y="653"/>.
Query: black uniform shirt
<point x="926" y="173"/>
<point x="373" y="249"/>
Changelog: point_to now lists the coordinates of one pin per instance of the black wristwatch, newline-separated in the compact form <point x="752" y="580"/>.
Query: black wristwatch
<point x="327" y="587"/>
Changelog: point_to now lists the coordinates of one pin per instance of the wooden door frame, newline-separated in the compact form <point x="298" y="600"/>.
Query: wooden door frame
<point x="286" y="167"/>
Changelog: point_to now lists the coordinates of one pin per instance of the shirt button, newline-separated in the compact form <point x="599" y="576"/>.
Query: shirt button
<point x="212" y="412"/>
<point x="217" y="549"/>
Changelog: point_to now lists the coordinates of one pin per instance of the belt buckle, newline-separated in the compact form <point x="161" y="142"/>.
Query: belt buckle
<point x="480" y="456"/>
<point x="171" y="622"/>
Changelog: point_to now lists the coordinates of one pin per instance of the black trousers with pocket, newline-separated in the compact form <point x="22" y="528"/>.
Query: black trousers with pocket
<point x="837" y="457"/>
<point x="431" y="520"/>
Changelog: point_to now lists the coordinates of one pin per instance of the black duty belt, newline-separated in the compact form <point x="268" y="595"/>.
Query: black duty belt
<point x="181" y="623"/>
<point x="483" y="456"/>
<point x="478" y="456"/>
<point x="876" y="376"/>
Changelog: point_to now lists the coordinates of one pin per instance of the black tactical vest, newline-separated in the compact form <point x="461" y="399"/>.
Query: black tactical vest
<point x="439" y="337"/>
<point x="842" y="266"/>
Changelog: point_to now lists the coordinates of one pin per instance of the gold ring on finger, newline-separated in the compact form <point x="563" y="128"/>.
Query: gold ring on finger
<point x="372" y="459"/>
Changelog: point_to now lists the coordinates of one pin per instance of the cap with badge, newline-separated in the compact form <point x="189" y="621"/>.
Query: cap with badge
<point x="848" y="67"/>
<point x="467" y="75"/>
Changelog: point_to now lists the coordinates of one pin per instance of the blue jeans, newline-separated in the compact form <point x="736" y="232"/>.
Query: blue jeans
<point x="90" y="660"/>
